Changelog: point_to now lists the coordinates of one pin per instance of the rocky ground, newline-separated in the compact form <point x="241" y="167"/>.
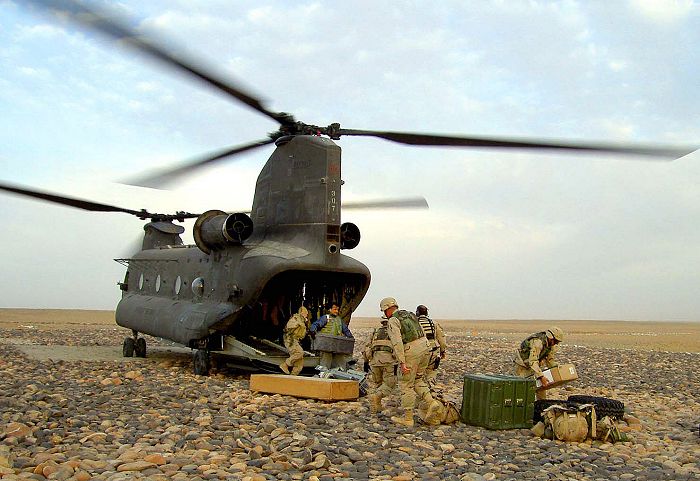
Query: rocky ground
<point x="151" y="418"/>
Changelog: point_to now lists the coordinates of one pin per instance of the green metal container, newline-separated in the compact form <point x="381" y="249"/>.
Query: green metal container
<point x="495" y="401"/>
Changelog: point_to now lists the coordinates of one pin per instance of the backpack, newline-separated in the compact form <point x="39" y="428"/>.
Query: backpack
<point x="447" y="413"/>
<point x="570" y="423"/>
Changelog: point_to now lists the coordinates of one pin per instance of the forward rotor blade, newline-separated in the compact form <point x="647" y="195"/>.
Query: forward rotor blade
<point x="672" y="152"/>
<point x="92" y="206"/>
<point x="160" y="178"/>
<point x="118" y="29"/>
<point x="69" y="201"/>
<point x="407" y="203"/>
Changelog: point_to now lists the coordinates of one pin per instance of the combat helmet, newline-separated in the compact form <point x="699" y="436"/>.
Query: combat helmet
<point x="421" y="310"/>
<point x="556" y="333"/>
<point x="386" y="303"/>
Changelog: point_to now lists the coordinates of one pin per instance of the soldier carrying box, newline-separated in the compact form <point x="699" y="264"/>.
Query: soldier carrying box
<point x="536" y="352"/>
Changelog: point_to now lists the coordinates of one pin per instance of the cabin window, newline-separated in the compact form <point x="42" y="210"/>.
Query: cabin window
<point x="158" y="283"/>
<point x="198" y="287"/>
<point x="178" y="285"/>
<point x="141" y="282"/>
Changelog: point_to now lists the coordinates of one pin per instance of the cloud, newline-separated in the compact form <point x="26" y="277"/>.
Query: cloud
<point x="664" y="11"/>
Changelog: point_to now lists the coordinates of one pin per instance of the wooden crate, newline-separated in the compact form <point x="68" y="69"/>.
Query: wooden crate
<point x="306" y="387"/>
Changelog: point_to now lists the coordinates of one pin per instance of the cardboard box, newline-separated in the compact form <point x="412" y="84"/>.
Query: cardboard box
<point x="557" y="376"/>
<point x="307" y="387"/>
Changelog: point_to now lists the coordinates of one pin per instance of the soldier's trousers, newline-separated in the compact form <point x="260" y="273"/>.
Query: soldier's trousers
<point x="522" y="371"/>
<point x="413" y="385"/>
<point x="332" y="360"/>
<point x="383" y="380"/>
<point x="431" y="371"/>
<point x="296" y="355"/>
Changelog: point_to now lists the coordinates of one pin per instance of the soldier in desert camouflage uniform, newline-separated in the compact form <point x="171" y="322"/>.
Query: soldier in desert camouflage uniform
<point x="294" y="332"/>
<point x="412" y="351"/>
<point x="536" y="352"/>
<point x="438" y="344"/>
<point x="379" y="354"/>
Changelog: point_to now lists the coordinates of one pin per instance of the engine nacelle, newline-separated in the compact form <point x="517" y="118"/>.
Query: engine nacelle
<point x="349" y="235"/>
<point x="215" y="229"/>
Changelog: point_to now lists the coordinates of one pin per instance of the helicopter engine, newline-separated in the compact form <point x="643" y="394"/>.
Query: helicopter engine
<point x="216" y="229"/>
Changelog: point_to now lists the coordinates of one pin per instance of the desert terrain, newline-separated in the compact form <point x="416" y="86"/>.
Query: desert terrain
<point x="73" y="408"/>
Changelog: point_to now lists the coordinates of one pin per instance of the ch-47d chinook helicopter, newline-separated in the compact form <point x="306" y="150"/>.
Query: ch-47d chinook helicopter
<point x="233" y="290"/>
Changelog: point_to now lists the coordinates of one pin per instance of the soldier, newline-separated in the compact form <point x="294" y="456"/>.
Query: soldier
<point x="295" y="331"/>
<point x="412" y="351"/>
<point x="379" y="354"/>
<point x="331" y="323"/>
<point x="438" y="345"/>
<point x="538" y="351"/>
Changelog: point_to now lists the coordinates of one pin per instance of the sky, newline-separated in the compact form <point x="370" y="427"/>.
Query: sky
<point x="508" y="235"/>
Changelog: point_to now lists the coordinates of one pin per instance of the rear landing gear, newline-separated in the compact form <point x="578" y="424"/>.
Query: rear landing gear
<point x="134" y="346"/>
<point x="201" y="362"/>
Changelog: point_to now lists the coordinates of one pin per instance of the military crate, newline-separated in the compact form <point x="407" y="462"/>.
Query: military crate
<point x="330" y="343"/>
<point x="498" y="402"/>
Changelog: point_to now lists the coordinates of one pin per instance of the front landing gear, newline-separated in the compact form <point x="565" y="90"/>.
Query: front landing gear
<point x="134" y="346"/>
<point x="201" y="362"/>
<point x="128" y="347"/>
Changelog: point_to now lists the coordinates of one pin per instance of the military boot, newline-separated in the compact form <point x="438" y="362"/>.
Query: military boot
<point x="284" y="367"/>
<point x="406" y="419"/>
<point x="375" y="403"/>
<point x="298" y="366"/>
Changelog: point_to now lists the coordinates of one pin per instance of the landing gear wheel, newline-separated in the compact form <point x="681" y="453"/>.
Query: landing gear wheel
<point x="603" y="406"/>
<point x="140" y="347"/>
<point x="128" y="347"/>
<point x="201" y="362"/>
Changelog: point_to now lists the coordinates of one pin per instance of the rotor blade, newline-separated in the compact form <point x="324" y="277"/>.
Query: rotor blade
<point x="118" y="29"/>
<point x="69" y="201"/>
<point x="158" y="179"/>
<point x="91" y="206"/>
<point x="407" y="203"/>
<point x="535" y="144"/>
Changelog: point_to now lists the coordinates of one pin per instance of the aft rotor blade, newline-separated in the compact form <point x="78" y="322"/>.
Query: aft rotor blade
<point x="116" y="28"/>
<point x="407" y="203"/>
<point x="160" y="178"/>
<point x="69" y="201"/>
<point x="672" y="152"/>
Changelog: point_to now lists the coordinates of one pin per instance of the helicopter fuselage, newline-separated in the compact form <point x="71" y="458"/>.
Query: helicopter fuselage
<point x="195" y="295"/>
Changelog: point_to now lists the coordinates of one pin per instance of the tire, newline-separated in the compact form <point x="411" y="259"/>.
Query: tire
<point x="128" y="347"/>
<point x="542" y="404"/>
<point x="201" y="362"/>
<point x="140" y="347"/>
<point x="603" y="406"/>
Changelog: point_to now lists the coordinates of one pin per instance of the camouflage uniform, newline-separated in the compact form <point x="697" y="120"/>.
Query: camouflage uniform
<point x="533" y="354"/>
<point x="295" y="331"/>
<point x="412" y="349"/>
<point x="438" y="345"/>
<point x="379" y="353"/>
